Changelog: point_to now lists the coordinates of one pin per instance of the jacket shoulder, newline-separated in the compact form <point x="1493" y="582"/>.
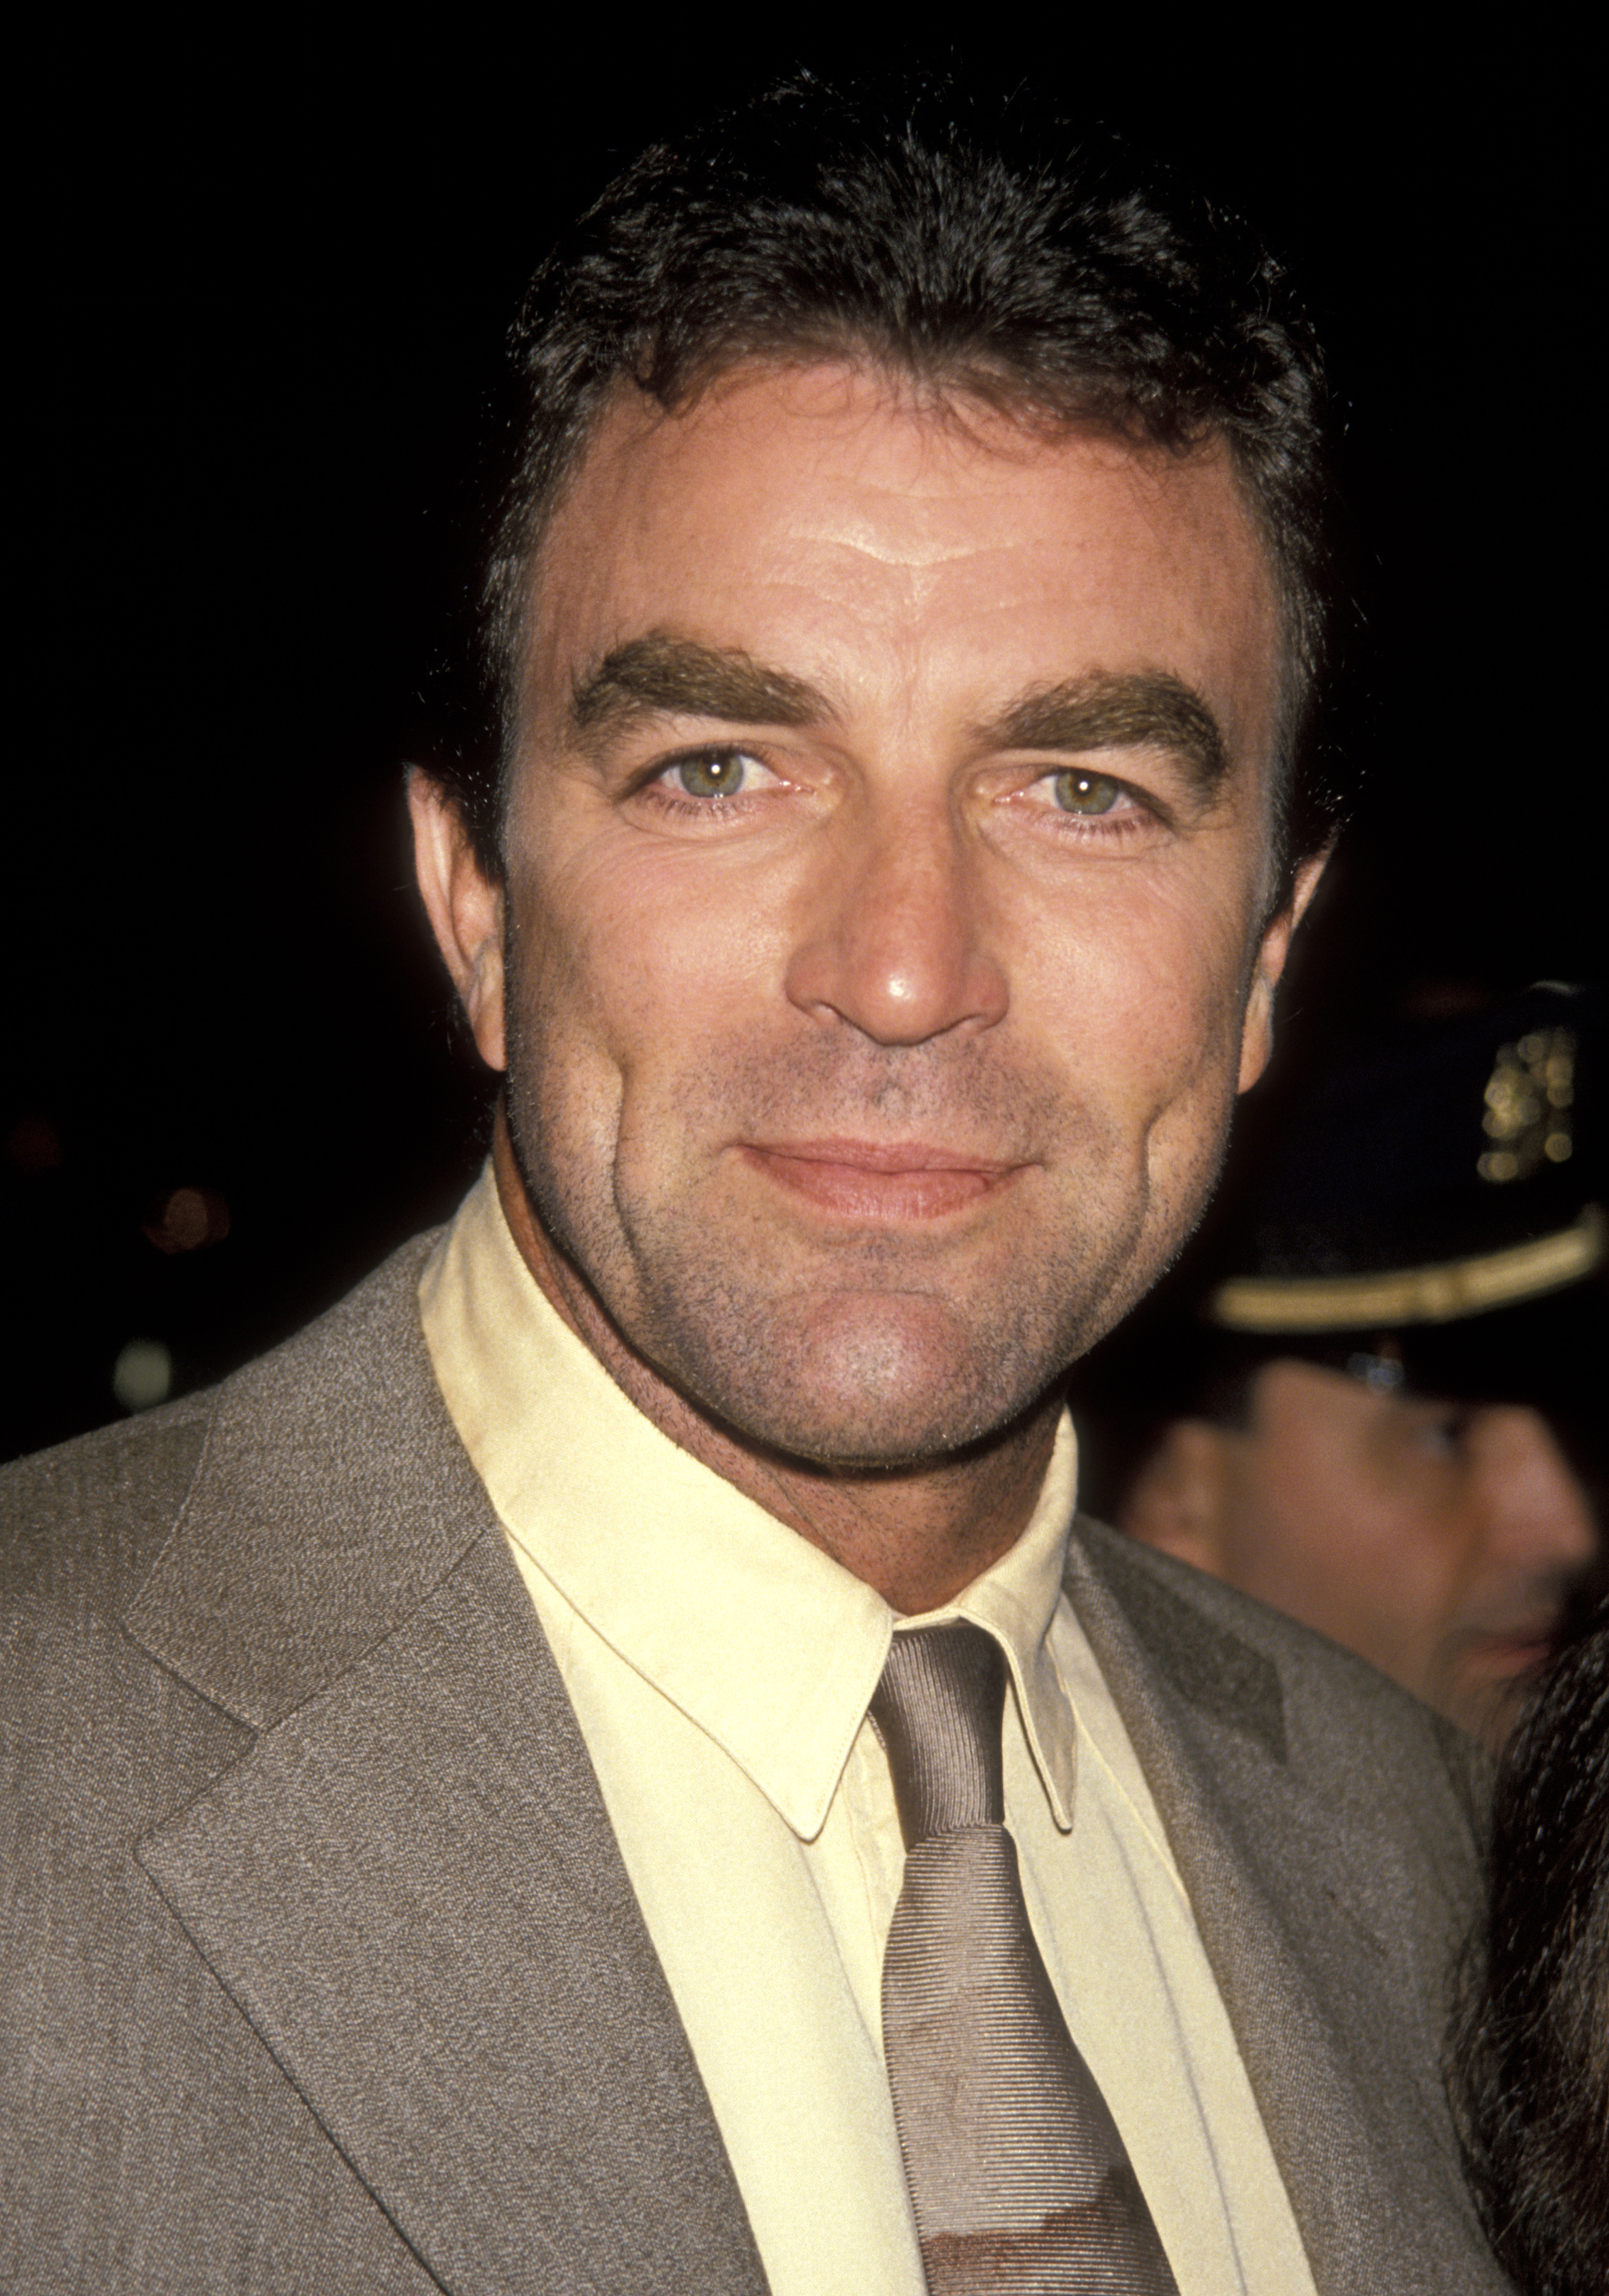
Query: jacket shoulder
<point x="134" y="2083"/>
<point x="1250" y="1663"/>
<point x="88" y="1517"/>
<point x="84" y="1524"/>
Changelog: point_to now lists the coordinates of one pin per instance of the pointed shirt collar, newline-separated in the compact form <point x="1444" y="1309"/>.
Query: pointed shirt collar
<point x="758" y="1637"/>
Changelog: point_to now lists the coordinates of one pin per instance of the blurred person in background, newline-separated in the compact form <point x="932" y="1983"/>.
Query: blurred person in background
<point x="1531" y="2060"/>
<point x="1370" y="1401"/>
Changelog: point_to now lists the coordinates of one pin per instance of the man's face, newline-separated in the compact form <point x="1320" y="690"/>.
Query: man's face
<point x="887" y="862"/>
<point x="1437" y="1539"/>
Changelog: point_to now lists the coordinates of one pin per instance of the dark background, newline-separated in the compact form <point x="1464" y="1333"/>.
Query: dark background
<point x="258" y="300"/>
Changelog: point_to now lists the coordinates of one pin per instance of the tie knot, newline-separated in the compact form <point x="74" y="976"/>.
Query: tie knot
<point x="938" y="1707"/>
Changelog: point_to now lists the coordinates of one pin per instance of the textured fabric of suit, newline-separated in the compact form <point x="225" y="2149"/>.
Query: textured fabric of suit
<point x="323" y="1968"/>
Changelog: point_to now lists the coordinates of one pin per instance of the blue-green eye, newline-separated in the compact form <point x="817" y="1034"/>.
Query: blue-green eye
<point x="716" y="773"/>
<point x="1083" y="792"/>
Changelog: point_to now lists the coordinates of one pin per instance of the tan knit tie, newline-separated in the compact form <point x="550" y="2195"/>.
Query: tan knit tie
<point x="1019" y="2178"/>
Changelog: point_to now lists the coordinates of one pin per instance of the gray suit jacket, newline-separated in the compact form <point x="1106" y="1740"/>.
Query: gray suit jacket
<point x="323" y="1970"/>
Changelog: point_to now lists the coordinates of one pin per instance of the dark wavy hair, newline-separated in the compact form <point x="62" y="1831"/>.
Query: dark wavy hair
<point x="968" y="247"/>
<point x="1530" y="2071"/>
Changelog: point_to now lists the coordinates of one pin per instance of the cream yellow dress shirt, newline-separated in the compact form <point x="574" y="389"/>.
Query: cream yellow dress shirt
<point x="720" y="1668"/>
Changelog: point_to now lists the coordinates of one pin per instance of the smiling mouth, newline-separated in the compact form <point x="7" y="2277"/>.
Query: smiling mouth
<point x="865" y="1180"/>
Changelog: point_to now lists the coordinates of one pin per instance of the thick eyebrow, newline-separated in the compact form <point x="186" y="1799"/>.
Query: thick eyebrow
<point x="1145" y="710"/>
<point x="658" y="674"/>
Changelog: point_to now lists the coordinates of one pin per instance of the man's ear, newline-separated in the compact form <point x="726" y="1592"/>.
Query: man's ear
<point x="464" y="908"/>
<point x="1257" y="1027"/>
<point x="1177" y="1501"/>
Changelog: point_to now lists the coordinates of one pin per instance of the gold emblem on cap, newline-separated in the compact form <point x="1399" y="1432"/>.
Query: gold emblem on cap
<point x="1528" y="1098"/>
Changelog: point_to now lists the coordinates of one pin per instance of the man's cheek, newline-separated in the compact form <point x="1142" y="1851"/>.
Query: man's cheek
<point x="585" y="985"/>
<point x="665" y="967"/>
<point x="1147" y="1018"/>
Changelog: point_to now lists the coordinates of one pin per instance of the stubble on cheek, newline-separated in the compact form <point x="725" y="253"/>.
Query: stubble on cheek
<point x="848" y="1343"/>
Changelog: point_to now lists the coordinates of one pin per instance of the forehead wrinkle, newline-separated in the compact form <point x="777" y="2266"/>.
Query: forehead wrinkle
<point x="661" y="674"/>
<point x="1141" y="709"/>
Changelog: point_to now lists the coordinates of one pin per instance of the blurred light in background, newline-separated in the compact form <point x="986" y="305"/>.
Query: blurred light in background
<point x="185" y="1219"/>
<point x="143" y="1375"/>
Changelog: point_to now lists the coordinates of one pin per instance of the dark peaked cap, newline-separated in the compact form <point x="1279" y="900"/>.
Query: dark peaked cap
<point x="1454" y="1171"/>
<point x="1429" y="1213"/>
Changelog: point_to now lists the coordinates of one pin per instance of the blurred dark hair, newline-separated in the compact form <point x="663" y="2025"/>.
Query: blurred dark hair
<point x="1530" y="2071"/>
<point x="968" y="249"/>
<point x="1166" y="1362"/>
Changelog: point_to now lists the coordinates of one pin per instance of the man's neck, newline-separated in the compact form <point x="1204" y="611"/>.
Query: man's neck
<point x="918" y="1534"/>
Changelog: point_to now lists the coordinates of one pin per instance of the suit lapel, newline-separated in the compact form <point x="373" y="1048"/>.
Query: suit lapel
<point x="1329" y="1936"/>
<point x="411" y="1889"/>
<point x="410" y="1886"/>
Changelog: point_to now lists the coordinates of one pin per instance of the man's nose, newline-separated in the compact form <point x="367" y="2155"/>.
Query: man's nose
<point x="891" y="939"/>
<point x="1537" y="1512"/>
